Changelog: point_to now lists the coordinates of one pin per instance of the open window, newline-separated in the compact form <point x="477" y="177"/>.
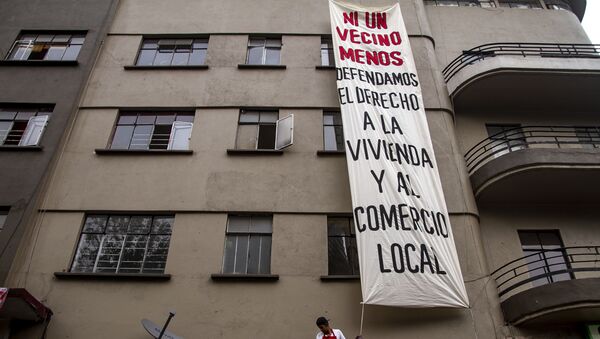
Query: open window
<point x="23" y="126"/>
<point x="263" y="130"/>
<point x="153" y="131"/>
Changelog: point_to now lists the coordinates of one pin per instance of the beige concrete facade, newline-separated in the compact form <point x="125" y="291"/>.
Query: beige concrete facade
<point x="299" y="188"/>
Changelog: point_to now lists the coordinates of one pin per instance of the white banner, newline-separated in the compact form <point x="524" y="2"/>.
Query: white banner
<point x="405" y="245"/>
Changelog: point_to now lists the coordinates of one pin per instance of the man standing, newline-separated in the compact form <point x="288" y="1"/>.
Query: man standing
<point x="326" y="331"/>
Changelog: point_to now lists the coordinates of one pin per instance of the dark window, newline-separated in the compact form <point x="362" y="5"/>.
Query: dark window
<point x="333" y="132"/>
<point x="589" y="137"/>
<point x="124" y="244"/>
<point x="257" y="129"/>
<point x="505" y="138"/>
<point x="264" y="51"/>
<point x="465" y="3"/>
<point x="173" y="52"/>
<point x="558" y="5"/>
<point x="520" y="3"/>
<point x="148" y="130"/>
<point x="545" y="255"/>
<point x="248" y="244"/>
<point x="327" y="56"/>
<point x="3" y="216"/>
<point x="341" y="245"/>
<point x="40" y="46"/>
<point x="23" y="126"/>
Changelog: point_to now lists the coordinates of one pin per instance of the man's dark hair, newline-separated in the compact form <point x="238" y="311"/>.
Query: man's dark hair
<point x="322" y="321"/>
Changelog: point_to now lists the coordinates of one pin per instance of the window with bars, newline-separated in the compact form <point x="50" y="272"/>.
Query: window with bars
<point x="153" y="131"/>
<point x="589" y="137"/>
<point x="3" y="216"/>
<point x="520" y="3"/>
<point x="462" y="3"/>
<point x="544" y="255"/>
<point x="341" y="246"/>
<point x="45" y="46"/>
<point x="264" y="51"/>
<point x="327" y="56"/>
<point x="333" y="132"/>
<point x="23" y="126"/>
<point x="172" y="52"/>
<point x="248" y="244"/>
<point x="124" y="244"/>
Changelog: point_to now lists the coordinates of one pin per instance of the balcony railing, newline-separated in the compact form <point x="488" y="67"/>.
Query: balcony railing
<point x="518" y="138"/>
<point x="548" y="266"/>
<point x="519" y="49"/>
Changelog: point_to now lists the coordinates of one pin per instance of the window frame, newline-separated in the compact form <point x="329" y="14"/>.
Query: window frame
<point x="258" y="124"/>
<point x="355" y="266"/>
<point x="38" y="110"/>
<point x="462" y="3"/>
<point x="144" y="39"/>
<point x="80" y="34"/>
<point x="71" y="272"/>
<point x="543" y="256"/>
<point x="4" y="212"/>
<point x="327" y="40"/>
<point x="334" y="125"/>
<point x="249" y="233"/>
<point x="264" y="49"/>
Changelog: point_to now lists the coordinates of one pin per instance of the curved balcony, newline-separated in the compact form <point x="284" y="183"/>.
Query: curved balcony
<point x="537" y="164"/>
<point x="527" y="76"/>
<point x="558" y="285"/>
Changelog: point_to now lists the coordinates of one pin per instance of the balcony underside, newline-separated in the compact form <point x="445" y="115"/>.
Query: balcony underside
<point x="571" y="301"/>
<point x="540" y="175"/>
<point x="518" y="83"/>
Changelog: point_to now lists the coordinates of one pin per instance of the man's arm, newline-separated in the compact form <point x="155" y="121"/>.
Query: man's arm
<point x="341" y="335"/>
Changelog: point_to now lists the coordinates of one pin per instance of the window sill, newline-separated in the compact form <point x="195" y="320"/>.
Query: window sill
<point x="111" y="276"/>
<point x="233" y="151"/>
<point x="325" y="153"/>
<point x="324" y="67"/>
<point x="146" y="67"/>
<point x="11" y="148"/>
<point x="339" y="277"/>
<point x="244" y="277"/>
<point x="248" y="66"/>
<point x="38" y="63"/>
<point x="102" y="151"/>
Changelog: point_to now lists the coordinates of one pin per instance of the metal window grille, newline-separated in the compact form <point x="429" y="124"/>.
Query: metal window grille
<point x="264" y="51"/>
<point x="124" y="244"/>
<point x="172" y="52"/>
<point x="544" y="253"/>
<point x="57" y="47"/>
<point x="248" y="244"/>
<point x="333" y="132"/>
<point x="341" y="246"/>
<point x="146" y="130"/>
<point x="14" y="121"/>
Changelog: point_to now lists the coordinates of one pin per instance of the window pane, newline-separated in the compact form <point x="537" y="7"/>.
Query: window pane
<point x="7" y="114"/>
<point x="20" y="53"/>
<point x="122" y="137"/>
<point x="15" y="134"/>
<point x="163" y="225"/>
<point x="352" y="251"/>
<point x="249" y="116"/>
<point x="197" y="57"/>
<point x="265" y="254"/>
<point x="146" y="57"/>
<point x="117" y="224"/>
<point x="72" y="52"/>
<point x="139" y="225"/>
<point x="329" y="139"/>
<point x="246" y="137"/>
<point x="255" y="55"/>
<point x="5" y="127"/>
<point x="181" y="57"/>
<point x="163" y="58"/>
<point x="262" y="224"/>
<point x="185" y="117"/>
<point x="55" y="52"/>
<point x="269" y="117"/>
<point x="165" y="119"/>
<point x="110" y="251"/>
<point x="95" y="223"/>
<point x="200" y="44"/>
<point x="325" y="60"/>
<point x="127" y="119"/>
<point x="229" y="255"/>
<point x="272" y="57"/>
<point x="273" y="43"/>
<point x="266" y="137"/>
<point x="338" y="226"/>
<point x="241" y="255"/>
<point x="254" y="254"/>
<point x="256" y="42"/>
<point x="77" y="40"/>
<point x="150" y="44"/>
<point x="156" y="255"/>
<point x="238" y="224"/>
<point x="146" y="119"/>
<point x="24" y="115"/>
<point x="160" y="137"/>
<point x="339" y="263"/>
<point x="87" y="251"/>
<point x="134" y="250"/>
<point x="141" y="137"/>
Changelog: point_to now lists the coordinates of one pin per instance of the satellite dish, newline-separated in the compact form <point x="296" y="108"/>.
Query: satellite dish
<point x="154" y="330"/>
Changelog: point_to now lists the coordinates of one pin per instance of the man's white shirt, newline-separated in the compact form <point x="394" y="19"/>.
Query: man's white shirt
<point x="338" y="334"/>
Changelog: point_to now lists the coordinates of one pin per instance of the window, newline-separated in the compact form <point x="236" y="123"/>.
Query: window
<point x="263" y="131"/>
<point x="589" y="137"/>
<point x="264" y="51"/>
<point x="520" y="3"/>
<point x="23" y="126"/>
<point x="124" y="244"/>
<point x="327" y="56"/>
<point x="558" y="5"/>
<point x="172" y="52"/>
<point x="466" y="3"/>
<point x="547" y="256"/>
<point x="505" y="138"/>
<point x="333" y="133"/>
<point x="3" y="216"/>
<point x="248" y="244"/>
<point x="341" y="246"/>
<point x="41" y="46"/>
<point x="158" y="131"/>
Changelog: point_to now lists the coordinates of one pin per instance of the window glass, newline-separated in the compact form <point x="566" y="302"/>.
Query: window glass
<point x="342" y="251"/>
<point x="144" y="130"/>
<point x="544" y="255"/>
<point x="49" y="47"/>
<point x="14" y="121"/>
<point x="264" y="51"/>
<point x="248" y="245"/>
<point x="3" y="216"/>
<point x="172" y="52"/>
<point x="333" y="132"/>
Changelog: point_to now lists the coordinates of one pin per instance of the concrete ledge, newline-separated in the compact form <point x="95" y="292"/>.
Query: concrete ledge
<point x="244" y="277"/>
<point x="10" y="148"/>
<point x="111" y="276"/>
<point x="331" y="278"/>
<point x="152" y="67"/>
<point x="38" y="63"/>
<point x="556" y="297"/>
<point x="233" y="151"/>
<point x="247" y="66"/>
<point x="325" y="67"/>
<point x="330" y="153"/>
<point x="102" y="151"/>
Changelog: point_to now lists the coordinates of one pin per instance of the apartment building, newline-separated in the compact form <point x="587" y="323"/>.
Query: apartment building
<point x="205" y="172"/>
